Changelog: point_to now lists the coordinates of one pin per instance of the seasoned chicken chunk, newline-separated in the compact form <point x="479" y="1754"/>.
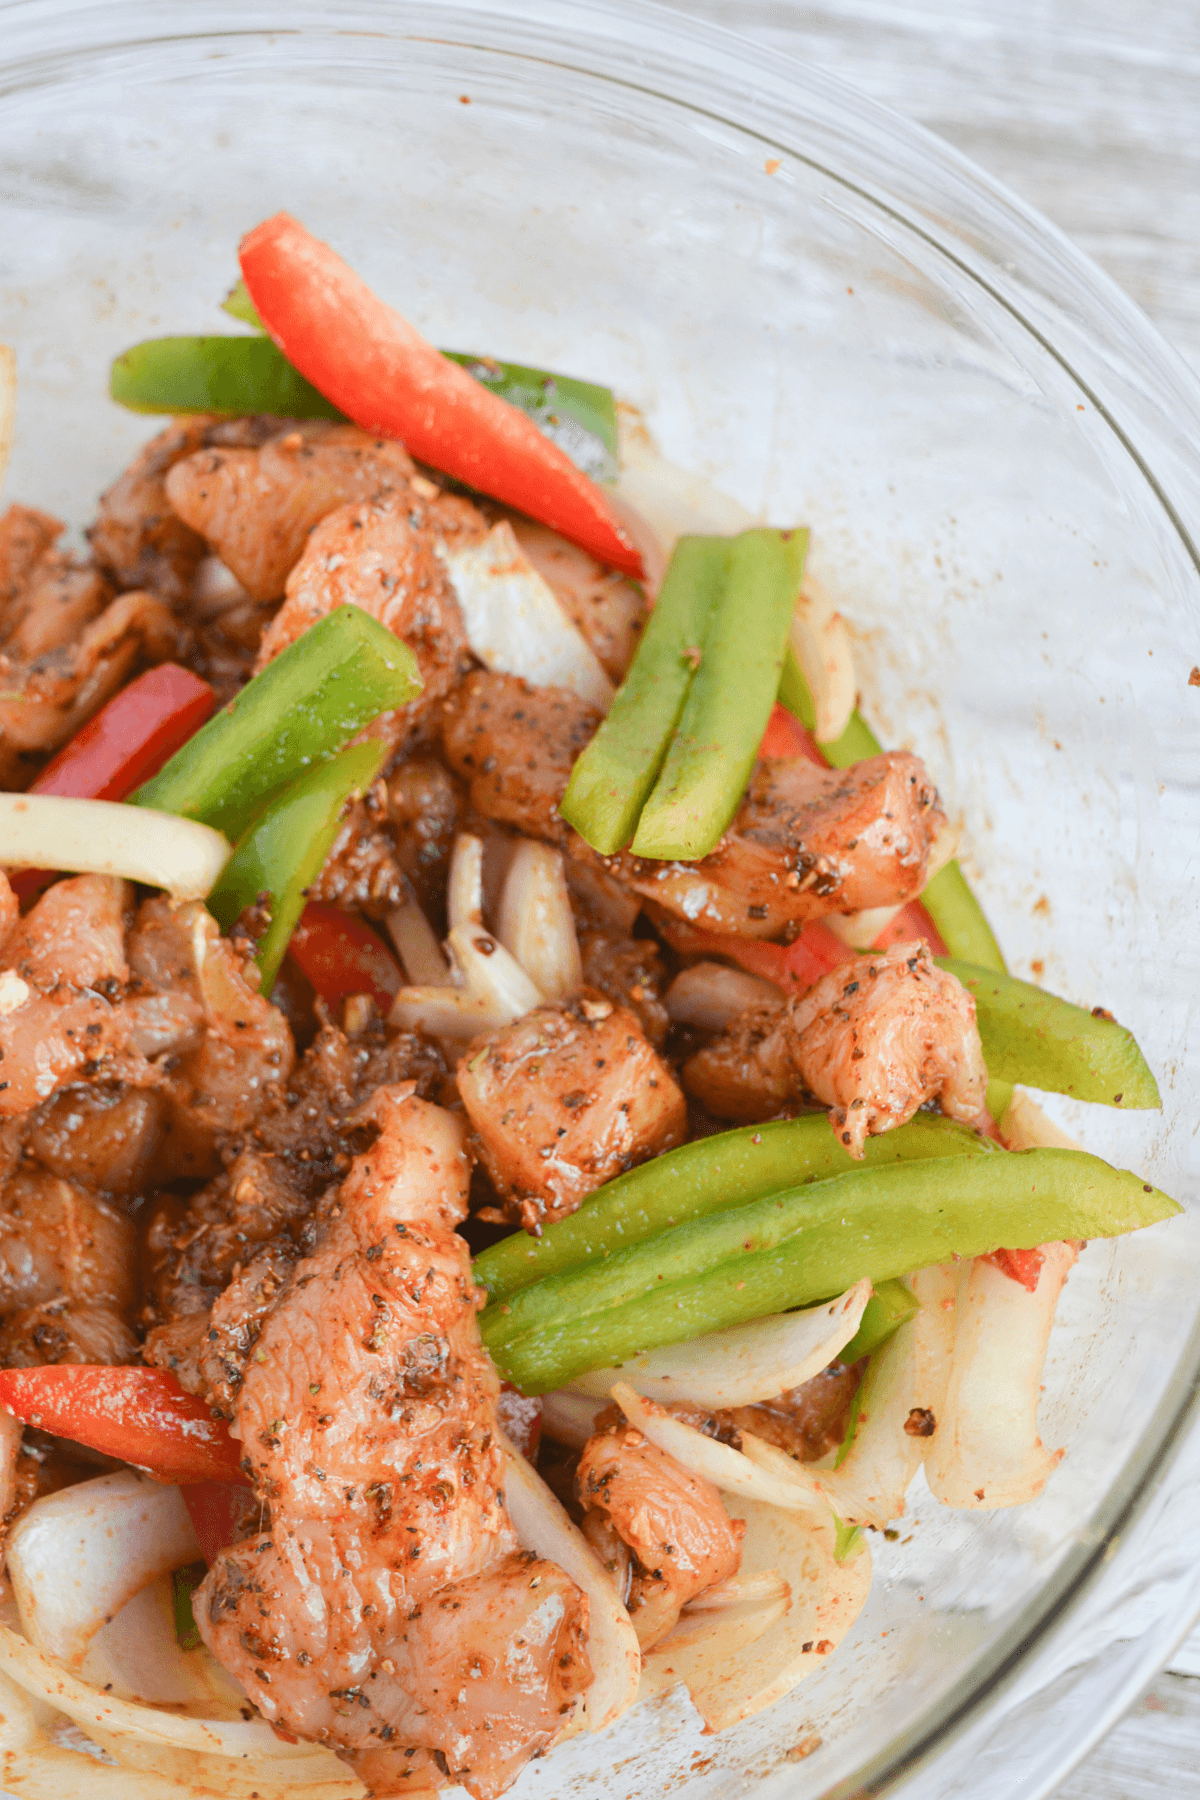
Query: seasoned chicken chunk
<point x="877" y="1040"/>
<point x="389" y="1604"/>
<point x="380" y="555"/>
<point x="805" y="841"/>
<point x="683" y="1541"/>
<point x="874" y="1040"/>
<point x="67" y="644"/>
<point x="563" y="1100"/>
<point x="515" y="745"/>
<point x="138" y="537"/>
<point x="67" y="1263"/>
<point x="256" y="507"/>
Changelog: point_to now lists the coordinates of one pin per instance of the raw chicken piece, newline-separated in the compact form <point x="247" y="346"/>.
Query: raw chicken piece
<point x="138" y="538"/>
<point x="805" y="841"/>
<point x="874" y="1040"/>
<point x="66" y="644"/>
<point x="563" y="1100"/>
<point x="749" y="1072"/>
<point x="389" y="1604"/>
<point x="515" y="744"/>
<point x="879" y="1045"/>
<point x="67" y="1273"/>
<point x="380" y="556"/>
<point x="682" y="1539"/>
<point x="255" y="508"/>
<point x="262" y="1205"/>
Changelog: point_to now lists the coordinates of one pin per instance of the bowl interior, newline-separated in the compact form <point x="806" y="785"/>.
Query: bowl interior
<point x="1023" y="603"/>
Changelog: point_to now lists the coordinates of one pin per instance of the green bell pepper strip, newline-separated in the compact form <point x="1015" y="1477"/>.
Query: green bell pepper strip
<point x="238" y="375"/>
<point x="1034" y="1037"/>
<point x="184" y="1583"/>
<point x="309" y="701"/>
<point x="283" y="851"/>
<point x="704" y="1177"/>
<point x="887" y="1309"/>
<point x="793" y="1249"/>
<point x="238" y="304"/>
<point x="849" y="1541"/>
<point x="729" y="701"/>
<point x="231" y="375"/>
<point x="612" y="780"/>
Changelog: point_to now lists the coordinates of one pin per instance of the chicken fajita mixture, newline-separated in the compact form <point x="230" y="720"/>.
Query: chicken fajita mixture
<point x="510" y="1148"/>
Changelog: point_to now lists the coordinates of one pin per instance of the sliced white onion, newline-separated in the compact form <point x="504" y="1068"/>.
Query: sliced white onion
<point x="743" y="1364"/>
<point x="986" y="1451"/>
<point x="417" y="942"/>
<point x="487" y="987"/>
<point x="741" y="1590"/>
<point x="240" y="1755"/>
<point x="725" y="1467"/>
<point x="822" y="646"/>
<point x="535" y="921"/>
<point x="464" y="887"/>
<point x="77" y="1557"/>
<point x="711" y="996"/>
<point x="10" y="1446"/>
<point x="670" y="500"/>
<point x="102" y="837"/>
<point x="860" y="929"/>
<point x="514" y="622"/>
<point x="737" y="1662"/>
<point x="544" y="1526"/>
<point x="570" y="1418"/>
<point x="8" y="405"/>
<point x="137" y="1656"/>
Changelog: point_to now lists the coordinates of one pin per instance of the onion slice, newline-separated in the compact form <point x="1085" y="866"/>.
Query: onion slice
<point x="727" y="1469"/>
<point x="739" y="1661"/>
<point x="822" y="646"/>
<point x="416" y="940"/>
<point x="743" y="1364"/>
<point x="570" y="1418"/>
<point x="986" y="1451"/>
<point x="487" y="988"/>
<point x="1026" y="1127"/>
<point x="711" y="996"/>
<point x="535" y="922"/>
<point x="513" y="619"/>
<point x="251" y="1742"/>
<point x="905" y="1387"/>
<point x="8" y="405"/>
<point x="77" y="1557"/>
<point x="102" y="837"/>
<point x="544" y="1526"/>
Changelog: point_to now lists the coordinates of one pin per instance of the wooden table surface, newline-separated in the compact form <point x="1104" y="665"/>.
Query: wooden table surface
<point x="1090" y="110"/>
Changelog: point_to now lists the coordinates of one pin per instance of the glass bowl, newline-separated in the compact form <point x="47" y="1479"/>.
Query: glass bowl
<point x="839" y="320"/>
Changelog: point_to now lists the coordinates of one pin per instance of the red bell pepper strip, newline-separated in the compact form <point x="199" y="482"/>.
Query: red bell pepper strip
<point x="1020" y="1265"/>
<point x="216" y="1508"/>
<point x="793" y="967"/>
<point x="126" y="742"/>
<point x="912" y="921"/>
<point x="341" y="955"/>
<point x="786" y="736"/>
<point x="142" y="1416"/>
<point x="382" y="373"/>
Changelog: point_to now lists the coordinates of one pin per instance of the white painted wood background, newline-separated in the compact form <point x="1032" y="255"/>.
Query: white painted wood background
<point x="1090" y="110"/>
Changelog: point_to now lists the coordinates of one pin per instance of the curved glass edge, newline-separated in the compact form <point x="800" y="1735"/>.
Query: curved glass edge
<point x="1148" y="397"/>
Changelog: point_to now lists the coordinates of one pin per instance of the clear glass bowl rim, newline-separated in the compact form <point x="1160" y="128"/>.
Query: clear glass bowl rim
<point x="1143" y="390"/>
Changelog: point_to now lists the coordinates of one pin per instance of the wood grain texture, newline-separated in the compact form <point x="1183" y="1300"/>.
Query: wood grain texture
<point x="1089" y="110"/>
